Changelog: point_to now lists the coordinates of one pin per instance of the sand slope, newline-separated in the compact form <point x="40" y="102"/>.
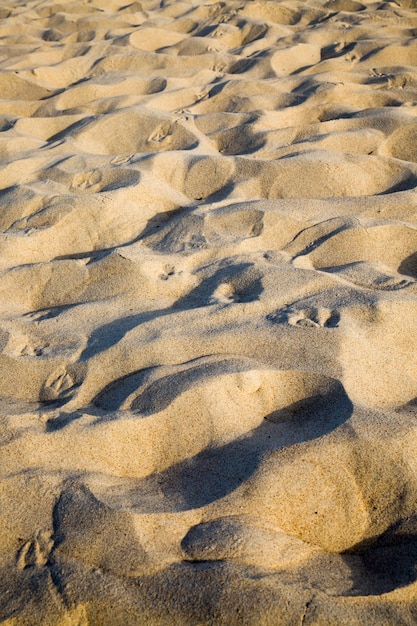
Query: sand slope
<point x="208" y="259"/>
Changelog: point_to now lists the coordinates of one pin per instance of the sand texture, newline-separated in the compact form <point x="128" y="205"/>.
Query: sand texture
<point x="208" y="313"/>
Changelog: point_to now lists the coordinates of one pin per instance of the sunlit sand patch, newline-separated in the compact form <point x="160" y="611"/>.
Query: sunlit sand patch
<point x="208" y="264"/>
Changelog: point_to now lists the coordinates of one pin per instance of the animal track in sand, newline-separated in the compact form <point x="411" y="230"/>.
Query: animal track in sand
<point x="234" y="282"/>
<point x="184" y="184"/>
<point x="243" y="284"/>
<point x="169" y="270"/>
<point x="129" y="131"/>
<point x="97" y="181"/>
<point x="225" y="294"/>
<point x="189" y="230"/>
<point x="56" y="386"/>
<point x="307" y="318"/>
<point x="33" y="351"/>
<point x="35" y="552"/>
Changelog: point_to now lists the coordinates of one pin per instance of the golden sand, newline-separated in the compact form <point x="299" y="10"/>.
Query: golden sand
<point x="208" y="322"/>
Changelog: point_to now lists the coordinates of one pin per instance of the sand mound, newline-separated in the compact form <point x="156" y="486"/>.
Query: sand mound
<point x="208" y="263"/>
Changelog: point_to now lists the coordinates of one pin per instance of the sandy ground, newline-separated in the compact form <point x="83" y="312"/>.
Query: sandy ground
<point x="208" y="319"/>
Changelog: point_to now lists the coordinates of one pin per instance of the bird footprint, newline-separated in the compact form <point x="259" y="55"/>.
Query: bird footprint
<point x="309" y="318"/>
<point x="36" y="551"/>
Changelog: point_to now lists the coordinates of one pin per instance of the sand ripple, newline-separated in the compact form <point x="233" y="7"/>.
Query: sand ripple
<point x="208" y="259"/>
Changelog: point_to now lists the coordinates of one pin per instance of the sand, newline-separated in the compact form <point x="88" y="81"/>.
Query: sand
<point x="208" y="276"/>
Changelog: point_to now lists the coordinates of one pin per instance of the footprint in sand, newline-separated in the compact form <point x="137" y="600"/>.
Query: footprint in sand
<point x="161" y="133"/>
<point x="56" y="387"/>
<point x="306" y="317"/>
<point x="36" y="551"/>
<point x="129" y="130"/>
<point x="105" y="180"/>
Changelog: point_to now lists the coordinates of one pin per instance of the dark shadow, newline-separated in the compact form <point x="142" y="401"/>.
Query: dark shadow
<point x="339" y="114"/>
<point x="323" y="18"/>
<point x="152" y="226"/>
<point x="219" y="195"/>
<point x="333" y="51"/>
<point x="306" y="88"/>
<point x="390" y="563"/>
<point x="108" y="335"/>
<point x="112" y="397"/>
<point x="13" y="188"/>
<point x="248" y="288"/>
<point x="6" y="123"/>
<point x="392" y="567"/>
<point x="300" y="70"/>
<point x="63" y="420"/>
<point x="157" y="395"/>
<point x="318" y="241"/>
<point x="404" y="185"/>
<point x="315" y="407"/>
<point x="256" y="32"/>
<point x="93" y="256"/>
<point x="371" y="53"/>
<point x="123" y="180"/>
<point x="206" y="30"/>
<point x="408" y="266"/>
<point x="50" y="312"/>
<point x="243" y="277"/>
<point x="215" y="472"/>
<point x="242" y="65"/>
<point x="409" y="407"/>
<point x="218" y="88"/>
<point x="160" y="219"/>
<point x="64" y="397"/>
<point x="73" y="127"/>
<point x="240" y="140"/>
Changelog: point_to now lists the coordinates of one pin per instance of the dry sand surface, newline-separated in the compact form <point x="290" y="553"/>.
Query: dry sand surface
<point x="208" y="323"/>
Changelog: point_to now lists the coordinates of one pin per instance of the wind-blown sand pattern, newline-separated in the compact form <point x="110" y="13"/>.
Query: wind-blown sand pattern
<point x="208" y="258"/>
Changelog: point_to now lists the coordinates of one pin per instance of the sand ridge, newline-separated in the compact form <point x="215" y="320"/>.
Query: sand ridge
<point x="208" y="277"/>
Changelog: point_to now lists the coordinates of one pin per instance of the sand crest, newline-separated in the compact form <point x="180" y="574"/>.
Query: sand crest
<point x="208" y="338"/>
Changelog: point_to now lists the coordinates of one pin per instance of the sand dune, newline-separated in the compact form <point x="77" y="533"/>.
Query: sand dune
<point x="208" y="278"/>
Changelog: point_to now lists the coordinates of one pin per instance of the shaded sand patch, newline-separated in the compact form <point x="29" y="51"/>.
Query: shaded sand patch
<point x="208" y="265"/>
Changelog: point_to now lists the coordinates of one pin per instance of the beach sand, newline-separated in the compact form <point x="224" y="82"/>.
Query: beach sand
<point x="208" y="322"/>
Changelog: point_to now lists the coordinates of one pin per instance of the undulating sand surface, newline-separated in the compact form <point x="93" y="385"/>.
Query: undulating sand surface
<point x="208" y="322"/>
